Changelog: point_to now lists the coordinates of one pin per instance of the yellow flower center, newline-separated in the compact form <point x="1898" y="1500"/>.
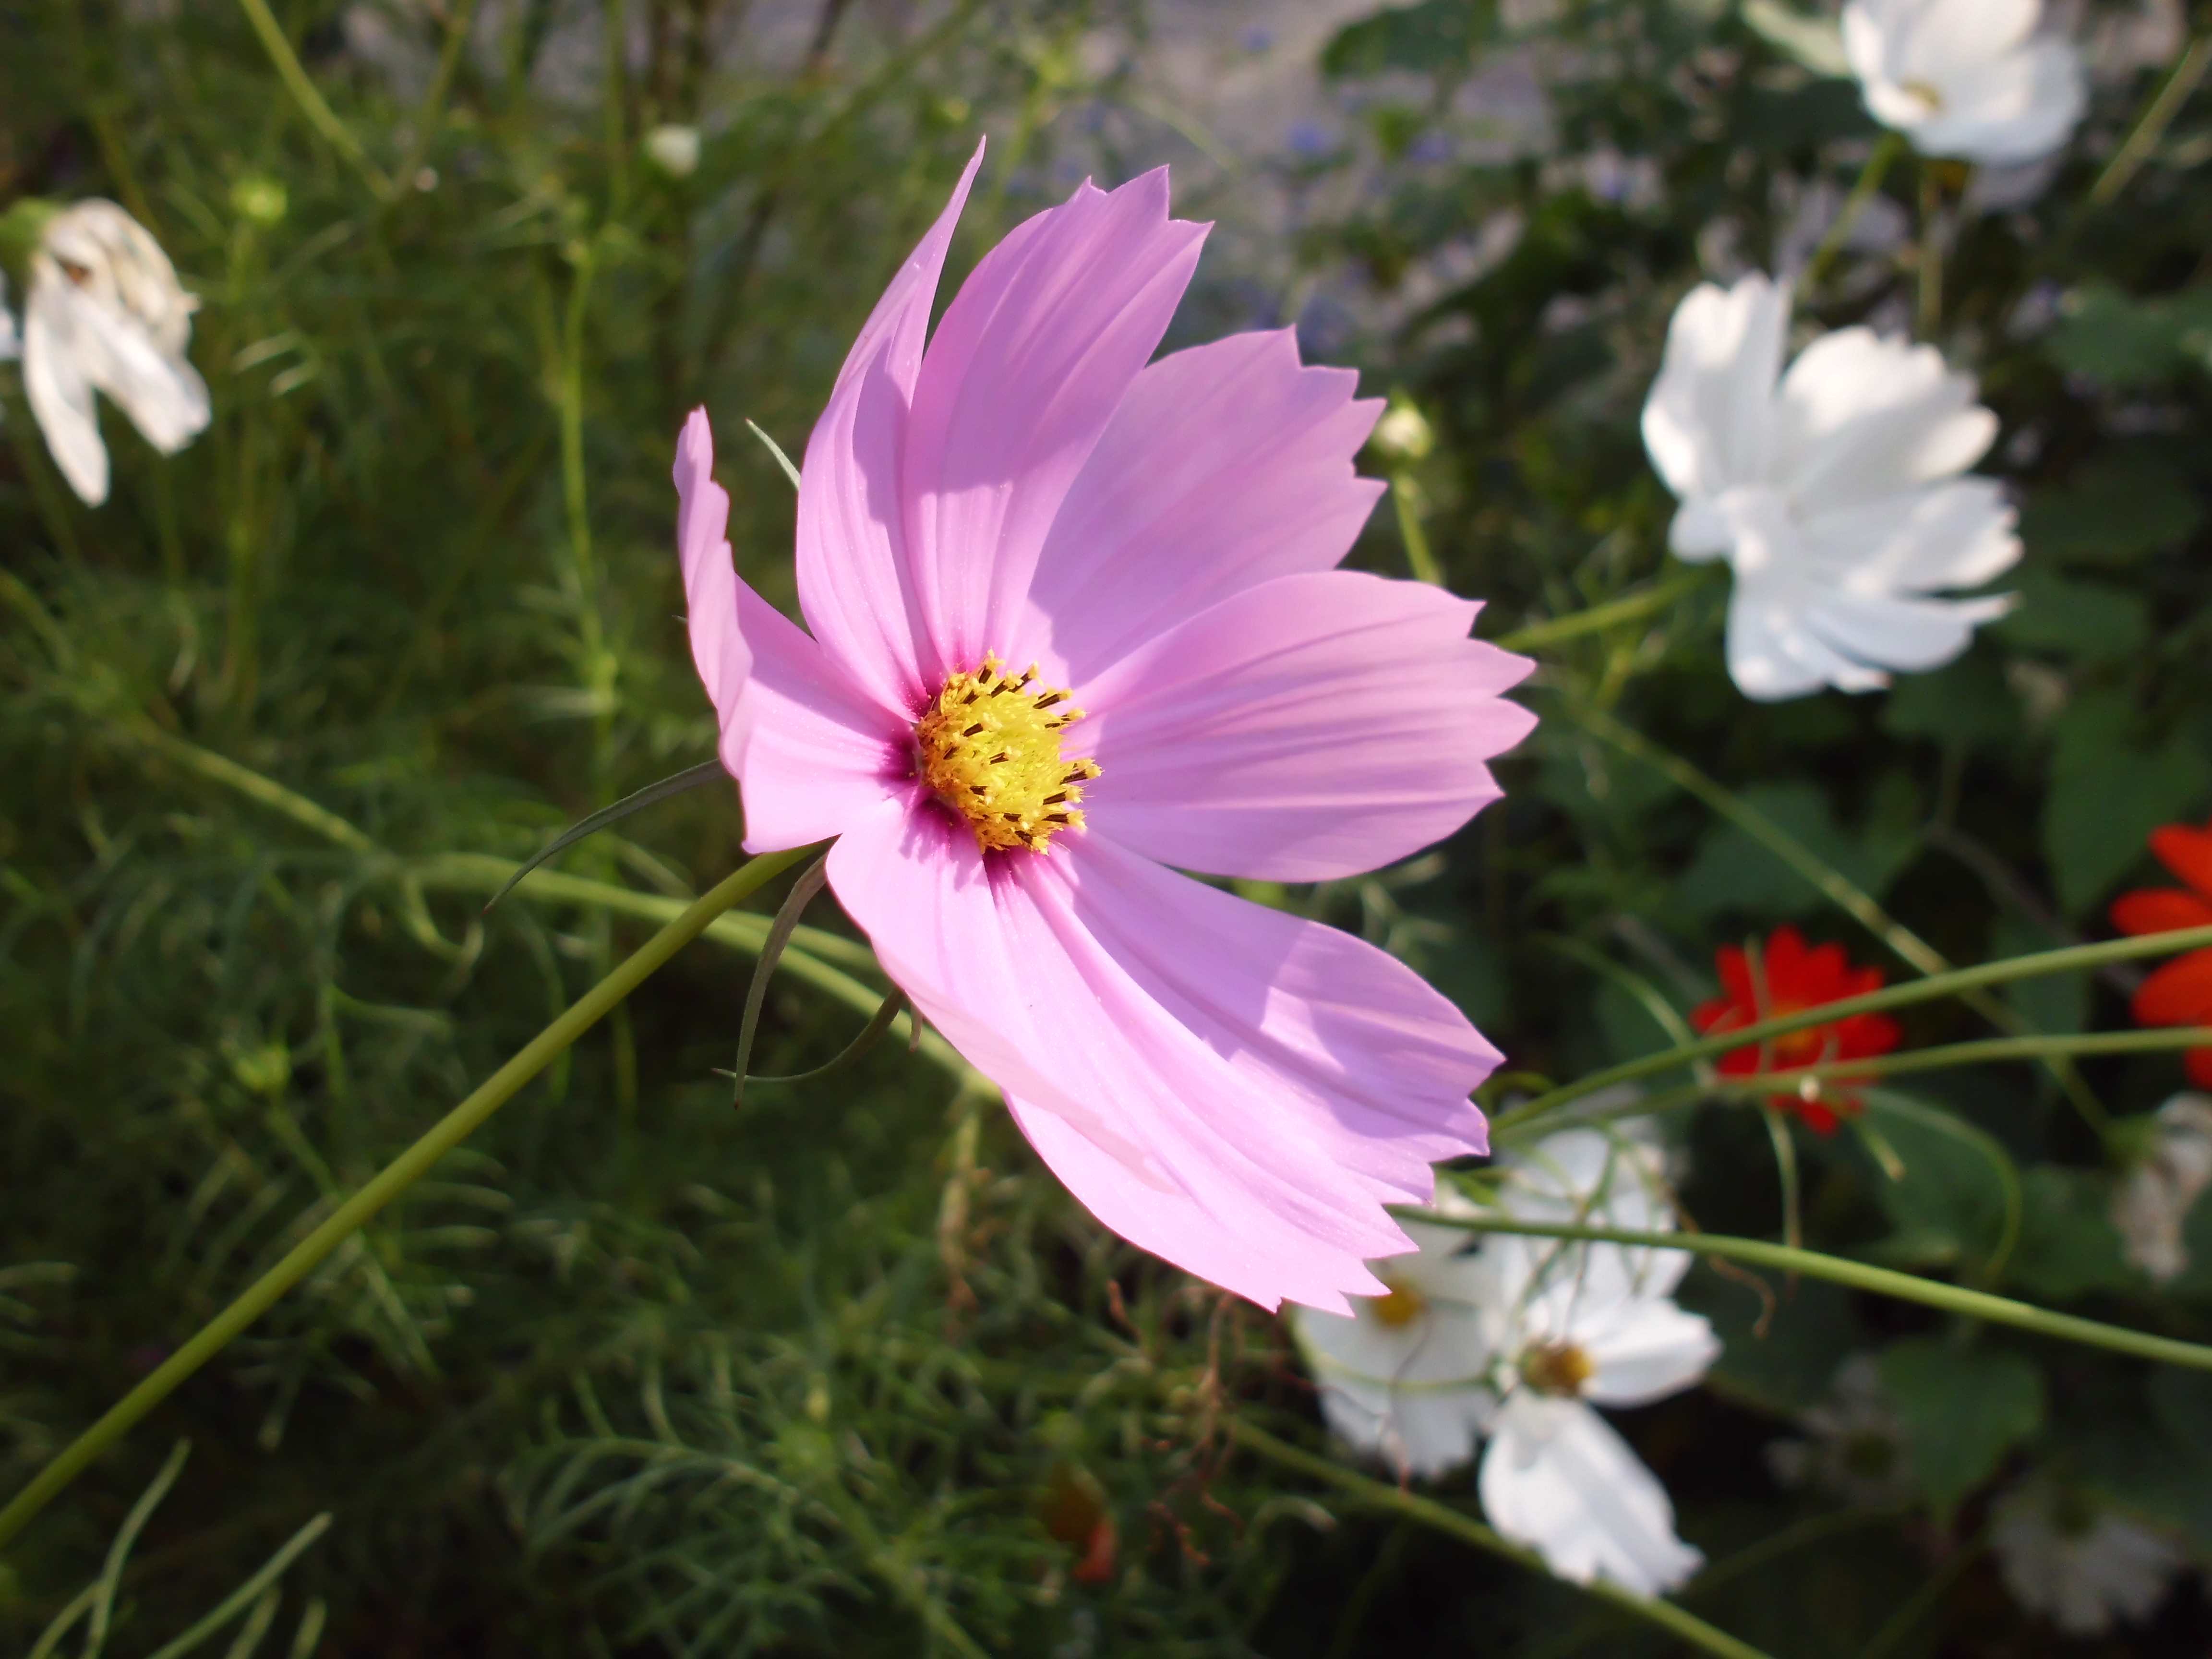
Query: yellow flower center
<point x="1930" y="98"/>
<point x="1398" y="1307"/>
<point x="1559" y="1368"/>
<point x="990" y="749"/>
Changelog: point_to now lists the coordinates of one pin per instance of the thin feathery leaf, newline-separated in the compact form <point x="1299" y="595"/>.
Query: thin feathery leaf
<point x="776" y="450"/>
<point x="778" y="935"/>
<point x="870" y="1034"/>
<point x="652" y="794"/>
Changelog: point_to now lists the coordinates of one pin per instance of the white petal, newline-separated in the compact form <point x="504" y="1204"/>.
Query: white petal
<point x="1646" y="1350"/>
<point x="1558" y="1477"/>
<point x="1906" y="633"/>
<point x="1956" y="534"/>
<point x="164" y="396"/>
<point x="61" y="397"/>
<point x="1707" y="421"/>
<point x="1943" y="37"/>
<point x="1772" y="654"/>
<point x="1857" y="416"/>
<point x="1699" y="532"/>
<point x="2006" y="110"/>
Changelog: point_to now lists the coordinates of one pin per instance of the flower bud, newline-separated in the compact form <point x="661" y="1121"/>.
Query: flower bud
<point x="674" y="149"/>
<point x="1403" y="435"/>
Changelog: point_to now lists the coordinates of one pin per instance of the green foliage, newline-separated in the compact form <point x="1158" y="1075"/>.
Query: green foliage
<point x="1963" y="1409"/>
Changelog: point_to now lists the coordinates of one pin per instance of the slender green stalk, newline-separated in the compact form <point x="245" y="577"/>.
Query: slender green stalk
<point x="1420" y="558"/>
<point x="254" y="786"/>
<point x="1858" y="1275"/>
<point x="1929" y="255"/>
<point x="2072" y="958"/>
<point x="394" y="1179"/>
<point x="247" y="1593"/>
<point x="1378" y="1494"/>
<point x="1982" y="1053"/>
<point x="1886" y="152"/>
<point x="111" y="1575"/>
<point x="2135" y="149"/>
<point x="320" y="116"/>
<point x="1627" y="608"/>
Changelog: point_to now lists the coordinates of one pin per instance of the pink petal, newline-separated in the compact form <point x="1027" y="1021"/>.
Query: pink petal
<point x="1026" y="369"/>
<point x="812" y="751"/>
<point x="854" y="582"/>
<point x="1313" y="726"/>
<point x="1225" y="465"/>
<point x="710" y="581"/>
<point x="1238" y="1090"/>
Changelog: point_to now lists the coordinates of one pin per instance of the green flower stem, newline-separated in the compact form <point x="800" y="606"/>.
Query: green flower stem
<point x="2070" y="959"/>
<point x="1886" y="152"/>
<point x="394" y="1179"/>
<point x="1515" y="1125"/>
<point x="1382" y="1495"/>
<point x="262" y="790"/>
<point x="1627" y="608"/>
<point x="1406" y="501"/>
<point x="1858" y="1275"/>
<point x="2136" y="150"/>
<point x="320" y="116"/>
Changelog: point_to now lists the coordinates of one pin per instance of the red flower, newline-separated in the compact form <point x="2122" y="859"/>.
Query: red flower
<point x="1792" y="979"/>
<point x="2179" y="991"/>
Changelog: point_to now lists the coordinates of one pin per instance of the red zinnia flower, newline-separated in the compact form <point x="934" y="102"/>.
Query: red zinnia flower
<point x="2178" y="993"/>
<point x="1792" y="978"/>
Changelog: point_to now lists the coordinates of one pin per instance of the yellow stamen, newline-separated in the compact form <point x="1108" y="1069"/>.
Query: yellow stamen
<point x="1559" y="1368"/>
<point x="1926" y="94"/>
<point x="990" y="749"/>
<point x="1400" y="1307"/>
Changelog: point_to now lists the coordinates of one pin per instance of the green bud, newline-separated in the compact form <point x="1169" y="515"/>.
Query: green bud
<point x="261" y="198"/>
<point x="1403" y="435"/>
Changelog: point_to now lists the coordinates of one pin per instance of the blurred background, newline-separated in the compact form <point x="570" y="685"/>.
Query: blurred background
<point x="847" y="1372"/>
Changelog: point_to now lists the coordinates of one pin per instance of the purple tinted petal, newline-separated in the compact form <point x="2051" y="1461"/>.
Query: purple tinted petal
<point x="710" y="581"/>
<point x="1313" y="726"/>
<point x="1236" y="1089"/>
<point x="855" y="586"/>
<point x="812" y="751"/>
<point x="1026" y="369"/>
<point x="1225" y="465"/>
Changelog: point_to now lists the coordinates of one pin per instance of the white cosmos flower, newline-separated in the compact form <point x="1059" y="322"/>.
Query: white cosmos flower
<point x="1556" y="1475"/>
<point x="1577" y="1326"/>
<point x="1832" y="488"/>
<point x="2153" y="1200"/>
<point x="107" y="313"/>
<point x="1521" y="1340"/>
<point x="1967" y="79"/>
<point x="1854" y="1444"/>
<point x="1405" y="1377"/>
<point x="2083" y="1568"/>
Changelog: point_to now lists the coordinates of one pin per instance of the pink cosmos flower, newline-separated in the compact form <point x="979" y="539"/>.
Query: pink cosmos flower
<point x="1076" y="619"/>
